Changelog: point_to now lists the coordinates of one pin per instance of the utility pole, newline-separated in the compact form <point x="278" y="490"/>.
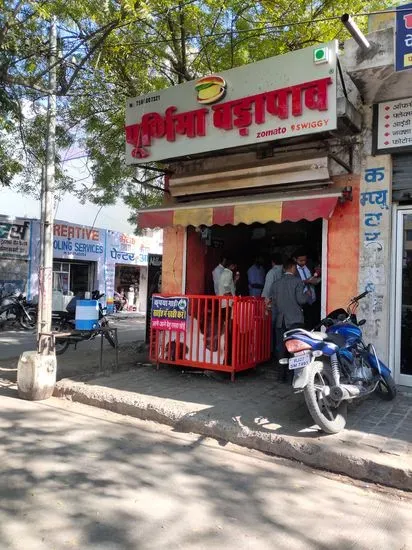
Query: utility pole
<point x="47" y="205"/>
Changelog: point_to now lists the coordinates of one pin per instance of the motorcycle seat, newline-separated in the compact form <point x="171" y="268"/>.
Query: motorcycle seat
<point x="61" y="314"/>
<point x="314" y="335"/>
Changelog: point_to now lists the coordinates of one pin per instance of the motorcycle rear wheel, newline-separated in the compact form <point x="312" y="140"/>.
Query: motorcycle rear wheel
<point x="330" y="419"/>
<point x="60" y="346"/>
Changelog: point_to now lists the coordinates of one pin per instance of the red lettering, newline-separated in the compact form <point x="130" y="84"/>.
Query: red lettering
<point x="95" y="235"/>
<point x="56" y="229"/>
<point x="155" y="126"/>
<point x="239" y="114"/>
<point x="63" y="231"/>
<point x="70" y="232"/>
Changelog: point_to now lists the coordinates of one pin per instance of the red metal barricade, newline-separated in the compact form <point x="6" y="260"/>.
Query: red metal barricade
<point x="222" y="334"/>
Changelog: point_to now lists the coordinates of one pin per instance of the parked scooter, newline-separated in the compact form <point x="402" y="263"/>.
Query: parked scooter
<point x="16" y="309"/>
<point x="336" y="367"/>
<point x="64" y="321"/>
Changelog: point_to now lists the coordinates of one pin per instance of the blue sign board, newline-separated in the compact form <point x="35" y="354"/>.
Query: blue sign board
<point x="403" y="40"/>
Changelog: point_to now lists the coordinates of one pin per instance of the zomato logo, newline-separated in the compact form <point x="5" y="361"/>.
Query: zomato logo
<point x="210" y="89"/>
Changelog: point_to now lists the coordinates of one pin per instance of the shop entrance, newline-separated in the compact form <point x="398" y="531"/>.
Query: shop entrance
<point x="127" y="282"/>
<point x="403" y="322"/>
<point x="73" y="278"/>
<point x="243" y="243"/>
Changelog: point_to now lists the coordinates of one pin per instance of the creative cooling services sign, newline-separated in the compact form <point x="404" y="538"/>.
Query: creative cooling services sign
<point x="77" y="242"/>
<point x="276" y="98"/>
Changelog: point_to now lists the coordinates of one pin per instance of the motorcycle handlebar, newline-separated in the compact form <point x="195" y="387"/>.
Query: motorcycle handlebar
<point x="361" y="296"/>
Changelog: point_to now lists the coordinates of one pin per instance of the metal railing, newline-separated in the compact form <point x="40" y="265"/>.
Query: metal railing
<point x="229" y="334"/>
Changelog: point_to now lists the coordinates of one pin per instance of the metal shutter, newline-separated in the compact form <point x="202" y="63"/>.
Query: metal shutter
<point x="402" y="177"/>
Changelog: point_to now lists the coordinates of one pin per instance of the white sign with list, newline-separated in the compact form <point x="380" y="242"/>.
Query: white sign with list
<point x="394" y="125"/>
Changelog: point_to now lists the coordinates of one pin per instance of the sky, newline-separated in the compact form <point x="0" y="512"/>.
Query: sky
<point x="69" y="208"/>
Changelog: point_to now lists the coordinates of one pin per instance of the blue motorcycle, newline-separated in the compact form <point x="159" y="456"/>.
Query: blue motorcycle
<point x="335" y="367"/>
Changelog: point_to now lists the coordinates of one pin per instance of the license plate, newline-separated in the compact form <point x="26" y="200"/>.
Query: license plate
<point x="300" y="362"/>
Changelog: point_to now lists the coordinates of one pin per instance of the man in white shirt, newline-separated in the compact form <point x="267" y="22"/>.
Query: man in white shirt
<point x="256" y="278"/>
<point x="305" y="274"/>
<point x="217" y="272"/>
<point x="227" y="284"/>
<point x="227" y="287"/>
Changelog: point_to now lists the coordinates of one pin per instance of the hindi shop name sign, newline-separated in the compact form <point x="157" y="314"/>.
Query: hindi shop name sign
<point x="403" y="38"/>
<point x="169" y="313"/>
<point x="280" y="97"/>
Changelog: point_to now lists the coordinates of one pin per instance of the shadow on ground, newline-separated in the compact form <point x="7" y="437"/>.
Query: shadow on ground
<point x="74" y="481"/>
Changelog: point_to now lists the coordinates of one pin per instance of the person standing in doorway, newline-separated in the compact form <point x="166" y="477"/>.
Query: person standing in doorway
<point x="217" y="272"/>
<point x="305" y="275"/>
<point x="256" y="278"/>
<point x="227" y="287"/>
<point x="288" y="295"/>
<point x="274" y="274"/>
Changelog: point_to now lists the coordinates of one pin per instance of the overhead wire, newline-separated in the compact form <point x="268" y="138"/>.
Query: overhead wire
<point x="263" y="30"/>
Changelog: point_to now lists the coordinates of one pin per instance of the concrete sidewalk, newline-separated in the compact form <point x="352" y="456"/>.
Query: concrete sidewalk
<point x="260" y="413"/>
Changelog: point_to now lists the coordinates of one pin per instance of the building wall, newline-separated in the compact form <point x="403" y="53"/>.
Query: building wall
<point x="343" y="248"/>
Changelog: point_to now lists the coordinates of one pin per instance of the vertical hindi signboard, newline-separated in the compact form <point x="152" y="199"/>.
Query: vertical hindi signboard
<point x="403" y="39"/>
<point x="374" y="249"/>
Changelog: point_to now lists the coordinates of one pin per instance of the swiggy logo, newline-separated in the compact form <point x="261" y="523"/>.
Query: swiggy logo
<point x="210" y="89"/>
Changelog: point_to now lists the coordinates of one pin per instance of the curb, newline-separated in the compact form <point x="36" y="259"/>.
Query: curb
<point x="308" y="452"/>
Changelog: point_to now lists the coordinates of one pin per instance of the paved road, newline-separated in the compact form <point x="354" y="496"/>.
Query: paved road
<point x="76" y="477"/>
<point x="14" y="342"/>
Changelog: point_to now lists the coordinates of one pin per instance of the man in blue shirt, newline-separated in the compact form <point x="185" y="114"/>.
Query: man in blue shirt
<point x="256" y="278"/>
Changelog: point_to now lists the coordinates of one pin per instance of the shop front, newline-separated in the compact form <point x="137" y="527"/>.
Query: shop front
<point x="265" y="179"/>
<point x="88" y="258"/>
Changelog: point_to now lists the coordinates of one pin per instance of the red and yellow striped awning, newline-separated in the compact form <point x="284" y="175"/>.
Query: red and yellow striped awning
<point x="236" y="211"/>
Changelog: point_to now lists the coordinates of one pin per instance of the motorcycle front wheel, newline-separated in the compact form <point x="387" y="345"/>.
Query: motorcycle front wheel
<point x="328" y="417"/>
<point x="26" y="322"/>
<point x="386" y="388"/>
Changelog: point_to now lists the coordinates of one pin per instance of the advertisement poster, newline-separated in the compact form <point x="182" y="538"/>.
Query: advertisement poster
<point x="14" y="238"/>
<point x="127" y="249"/>
<point x="154" y="285"/>
<point x="169" y="313"/>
